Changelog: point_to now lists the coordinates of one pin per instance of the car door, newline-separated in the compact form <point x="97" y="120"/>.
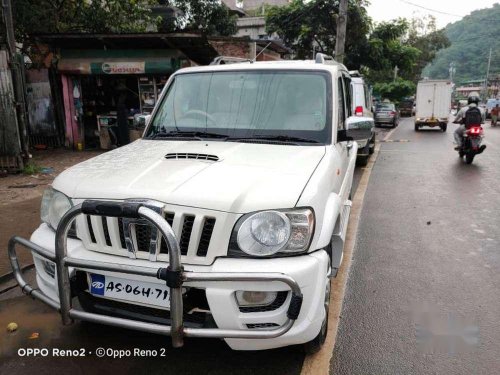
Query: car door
<point x="342" y="148"/>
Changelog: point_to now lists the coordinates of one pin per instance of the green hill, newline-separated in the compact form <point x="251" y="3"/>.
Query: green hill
<point x="471" y="39"/>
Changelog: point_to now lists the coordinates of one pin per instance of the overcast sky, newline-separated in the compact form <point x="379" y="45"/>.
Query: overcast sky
<point x="385" y="10"/>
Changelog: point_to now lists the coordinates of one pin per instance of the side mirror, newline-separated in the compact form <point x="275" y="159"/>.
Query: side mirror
<point x="359" y="128"/>
<point x="140" y="121"/>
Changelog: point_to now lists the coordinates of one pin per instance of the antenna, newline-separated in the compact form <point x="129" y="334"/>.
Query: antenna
<point x="255" y="58"/>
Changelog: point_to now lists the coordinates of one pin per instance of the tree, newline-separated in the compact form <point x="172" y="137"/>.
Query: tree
<point x="471" y="39"/>
<point x="395" y="90"/>
<point x="120" y="16"/>
<point x="300" y="24"/>
<point x="377" y="50"/>
<point x="387" y="50"/>
<point x="424" y="35"/>
<point x="208" y="16"/>
<point x="60" y="16"/>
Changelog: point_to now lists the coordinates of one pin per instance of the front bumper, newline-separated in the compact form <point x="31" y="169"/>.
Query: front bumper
<point x="298" y="320"/>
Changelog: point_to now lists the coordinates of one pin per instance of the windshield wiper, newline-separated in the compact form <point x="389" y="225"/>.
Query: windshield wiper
<point x="198" y="135"/>
<point x="279" y="138"/>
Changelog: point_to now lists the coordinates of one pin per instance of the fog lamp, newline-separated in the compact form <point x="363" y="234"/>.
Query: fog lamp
<point x="249" y="298"/>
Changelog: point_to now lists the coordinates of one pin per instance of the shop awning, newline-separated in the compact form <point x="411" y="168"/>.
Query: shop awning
<point x="193" y="46"/>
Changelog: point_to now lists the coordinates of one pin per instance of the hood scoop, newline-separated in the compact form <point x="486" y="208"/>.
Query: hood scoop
<point x="182" y="155"/>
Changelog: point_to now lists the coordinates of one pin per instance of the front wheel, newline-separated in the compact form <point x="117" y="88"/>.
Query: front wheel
<point x="469" y="158"/>
<point x="315" y="344"/>
<point x="417" y="128"/>
<point x="444" y="127"/>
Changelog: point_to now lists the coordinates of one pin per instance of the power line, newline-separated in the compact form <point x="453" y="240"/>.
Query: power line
<point x="431" y="10"/>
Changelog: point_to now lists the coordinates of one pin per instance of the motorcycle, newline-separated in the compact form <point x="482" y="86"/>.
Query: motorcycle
<point x="471" y="144"/>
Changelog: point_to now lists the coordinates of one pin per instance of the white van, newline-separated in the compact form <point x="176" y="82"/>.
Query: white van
<point x="433" y="104"/>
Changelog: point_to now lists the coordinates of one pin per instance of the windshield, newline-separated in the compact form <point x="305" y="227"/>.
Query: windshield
<point x="247" y="104"/>
<point x="406" y="104"/>
<point x="385" y="107"/>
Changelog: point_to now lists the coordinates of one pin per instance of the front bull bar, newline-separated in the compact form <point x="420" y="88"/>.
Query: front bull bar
<point x="174" y="275"/>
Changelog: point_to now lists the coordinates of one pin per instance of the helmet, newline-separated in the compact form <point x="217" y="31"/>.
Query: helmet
<point x="473" y="99"/>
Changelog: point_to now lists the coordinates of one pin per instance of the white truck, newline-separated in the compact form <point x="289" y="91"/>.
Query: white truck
<point x="433" y="104"/>
<point x="227" y="219"/>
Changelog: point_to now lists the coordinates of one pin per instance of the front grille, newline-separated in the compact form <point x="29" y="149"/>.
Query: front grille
<point x="109" y="235"/>
<point x="276" y="304"/>
<point x="206" y="235"/>
<point x="106" y="231"/>
<point x="143" y="236"/>
<point x="187" y="228"/>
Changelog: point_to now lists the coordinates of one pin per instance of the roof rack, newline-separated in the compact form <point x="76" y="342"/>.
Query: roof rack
<point x="355" y="73"/>
<point x="322" y="58"/>
<point x="221" y="60"/>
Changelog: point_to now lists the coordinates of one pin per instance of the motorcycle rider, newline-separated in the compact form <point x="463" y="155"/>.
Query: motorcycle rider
<point x="472" y="102"/>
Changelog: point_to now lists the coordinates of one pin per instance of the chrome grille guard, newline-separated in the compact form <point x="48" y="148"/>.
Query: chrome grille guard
<point x="174" y="275"/>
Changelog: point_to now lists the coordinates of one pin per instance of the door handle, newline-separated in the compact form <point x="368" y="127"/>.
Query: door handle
<point x="349" y="146"/>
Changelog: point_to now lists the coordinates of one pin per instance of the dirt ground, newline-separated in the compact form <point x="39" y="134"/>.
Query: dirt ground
<point x="20" y="196"/>
<point x="20" y="187"/>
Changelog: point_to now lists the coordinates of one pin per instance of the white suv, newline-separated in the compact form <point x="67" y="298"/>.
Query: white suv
<point x="227" y="219"/>
<point x="362" y="106"/>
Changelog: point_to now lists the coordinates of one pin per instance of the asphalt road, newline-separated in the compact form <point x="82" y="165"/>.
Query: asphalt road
<point x="423" y="291"/>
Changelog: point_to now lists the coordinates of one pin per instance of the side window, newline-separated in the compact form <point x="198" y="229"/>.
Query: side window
<point x="348" y="95"/>
<point x="367" y="97"/>
<point x="341" y="104"/>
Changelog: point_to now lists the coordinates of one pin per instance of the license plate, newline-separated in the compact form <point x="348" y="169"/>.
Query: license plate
<point x="129" y="290"/>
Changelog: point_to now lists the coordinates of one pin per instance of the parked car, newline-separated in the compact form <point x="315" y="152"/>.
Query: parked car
<point x="433" y="104"/>
<point x="362" y="106"/>
<point x="386" y="113"/>
<point x="490" y="103"/>
<point x="227" y="219"/>
<point x="406" y="107"/>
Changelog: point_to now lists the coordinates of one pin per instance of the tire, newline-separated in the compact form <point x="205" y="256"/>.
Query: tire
<point x="469" y="158"/>
<point x="362" y="161"/>
<point x="461" y="154"/>
<point x="444" y="127"/>
<point x="417" y="128"/>
<point x="315" y="344"/>
<point x="371" y="149"/>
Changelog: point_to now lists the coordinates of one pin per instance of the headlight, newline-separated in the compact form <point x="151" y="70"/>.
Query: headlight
<point x="269" y="232"/>
<point x="54" y="205"/>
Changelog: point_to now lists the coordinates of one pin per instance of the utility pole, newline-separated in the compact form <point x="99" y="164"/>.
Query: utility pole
<point x="396" y="69"/>
<point x="16" y="63"/>
<point x="314" y="44"/>
<point x="452" y="70"/>
<point x="341" y="31"/>
<point x="487" y="75"/>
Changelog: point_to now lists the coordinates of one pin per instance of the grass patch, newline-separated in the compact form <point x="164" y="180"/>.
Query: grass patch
<point x="31" y="168"/>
